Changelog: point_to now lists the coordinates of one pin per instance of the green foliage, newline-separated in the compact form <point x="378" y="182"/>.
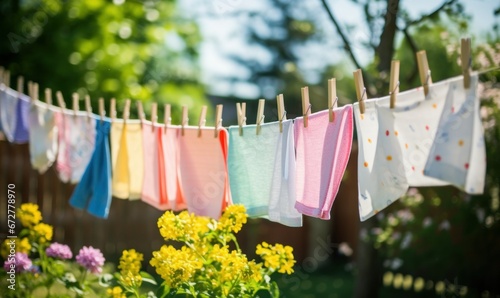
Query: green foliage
<point x="140" y="50"/>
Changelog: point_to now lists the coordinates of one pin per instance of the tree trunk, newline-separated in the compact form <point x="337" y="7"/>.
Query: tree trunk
<point x="367" y="263"/>
<point x="369" y="275"/>
<point x="385" y="49"/>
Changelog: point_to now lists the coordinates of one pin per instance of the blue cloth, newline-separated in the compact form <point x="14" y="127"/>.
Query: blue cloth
<point x="94" y="190"/>
<point x="21" y="134"/>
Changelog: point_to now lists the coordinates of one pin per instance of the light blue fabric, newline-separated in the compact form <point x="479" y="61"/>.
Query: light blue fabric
<point x="262" y="172"/>
<point x="94" y="190"/>
<point x="250" y="166"/>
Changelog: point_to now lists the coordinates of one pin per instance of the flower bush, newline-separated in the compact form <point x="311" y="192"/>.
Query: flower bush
<point x="38" y="263"/>
<point x="201" y="258"/>
<point x="207" y="261"/>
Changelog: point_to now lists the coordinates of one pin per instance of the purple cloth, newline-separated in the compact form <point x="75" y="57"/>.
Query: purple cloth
<point x="21" y="134"/>
<point x="14" y="112"/>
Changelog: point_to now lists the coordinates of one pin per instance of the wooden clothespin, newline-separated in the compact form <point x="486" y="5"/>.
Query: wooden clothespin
<point x="185" y="119"/>
<point x="166" y="116"/>
<point x="88" y="107"/>
<point x="48" y="96"/>
<point x="102" y="111"/>
<point x="260" y="115"/>
<point x="466" y="57"/>
<point x="140" y="111"/>
<point x="218" y="119"/>
<point x="360" y="89"/>
<point x="35" y="91"/>
<point x="20" y="85"/>
<point x="126" y="110"/>
<point x="394" y="83"/>
<point x="154" y="111"/>
<point x="424" y="71"/>
<point x="306" y="106"/>
<point x="281" y="110"/>
<point x="202" y="120"/>
<point x="332" y="98"/>
<point x="60" y="100"/>
<point x="241" y="111"/>
<point x="30" y="90"/>
<point x="76" y="105"/>
<point x="6" y="78"/>
<point x="112" y="109"/>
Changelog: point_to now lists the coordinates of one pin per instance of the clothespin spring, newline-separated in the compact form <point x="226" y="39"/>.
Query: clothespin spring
<point x="307" y="111"/>
<point x="427" y="78"/>
<point x="396" y="88"/>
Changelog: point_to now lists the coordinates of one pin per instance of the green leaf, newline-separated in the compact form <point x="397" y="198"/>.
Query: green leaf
<point x="105" y="280"/>
<point x="146" y="277"/>
<point x="274" y="290"/>
<point x="163" y="290"/>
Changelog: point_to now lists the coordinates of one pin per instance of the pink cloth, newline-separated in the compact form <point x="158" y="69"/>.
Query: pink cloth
<point x="160" y="187"/>
<point x="322" y="151"/>
<point x="203" y="171"/>
<point x="169" y="174"/>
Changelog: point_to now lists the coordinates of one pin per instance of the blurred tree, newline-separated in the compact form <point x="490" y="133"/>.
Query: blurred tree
<point x="125" y="49"/>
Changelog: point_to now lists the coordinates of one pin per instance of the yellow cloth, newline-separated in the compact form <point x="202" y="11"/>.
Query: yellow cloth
<point x="127" y="159"/>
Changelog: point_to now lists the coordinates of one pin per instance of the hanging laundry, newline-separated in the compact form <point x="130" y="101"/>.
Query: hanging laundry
<point x="169" y="144"/>
<point x="76" y="145"/>
<point x="93" y="193"/>
<point x="43" y="135"/>
<point x="394" y="145"/>
<point x="161" y="186"/>
<point x="203" y="171"/>
<point x="127" y="159"/>
<point x="458" y="155"/>
<point x="262" y="171"/>
<point x="323" y="149"/>
<point x="14" y="110"/>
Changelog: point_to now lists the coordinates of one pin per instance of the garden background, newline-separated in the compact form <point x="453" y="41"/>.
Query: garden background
<point x="436" y="242"/>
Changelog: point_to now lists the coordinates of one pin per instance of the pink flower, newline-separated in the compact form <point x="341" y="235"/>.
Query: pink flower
<point x="59" y="251"/>
<point x="91" y="259"/>
<point x="20" y="260"/>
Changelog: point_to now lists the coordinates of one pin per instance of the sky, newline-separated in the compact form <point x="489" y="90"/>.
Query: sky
<point x="220" y="28"/>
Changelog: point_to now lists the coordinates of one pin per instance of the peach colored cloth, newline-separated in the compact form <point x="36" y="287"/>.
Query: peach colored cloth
<point x="322" y="150"/>
<point x="203" y="171"/>
<point x="160" y="187"/>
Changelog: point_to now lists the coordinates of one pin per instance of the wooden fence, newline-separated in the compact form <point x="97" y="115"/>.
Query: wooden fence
<point x="132" y="224"/>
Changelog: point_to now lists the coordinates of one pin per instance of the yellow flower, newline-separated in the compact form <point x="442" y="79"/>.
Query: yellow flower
<point x="130" y="265"/>
<point x="233" y="219"/>
<point x="253" y="272"/>
<point x="185" y="227"/>
<point x="42" y="232"/>
<point x="130" y="261"/>
<point x="115" y="292"/>
<point x="129" y="279"/>
<point x="22" y="245"/>
<point x="277" y="258"/>
<point x="29" y="215"/>
<point x="175" y="266"/>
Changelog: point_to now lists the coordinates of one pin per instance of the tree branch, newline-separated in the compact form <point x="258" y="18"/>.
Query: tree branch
<point x="414" y="49"/>
<point x="432" y="14"/>
<point x="347" y="45"/>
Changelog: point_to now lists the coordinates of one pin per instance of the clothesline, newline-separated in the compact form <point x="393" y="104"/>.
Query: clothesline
<point x="278" y="175"/>
<point x="279" y="170"/>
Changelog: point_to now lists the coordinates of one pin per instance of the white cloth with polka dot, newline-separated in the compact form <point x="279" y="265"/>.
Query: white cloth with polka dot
<point x="458" y="155"/>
